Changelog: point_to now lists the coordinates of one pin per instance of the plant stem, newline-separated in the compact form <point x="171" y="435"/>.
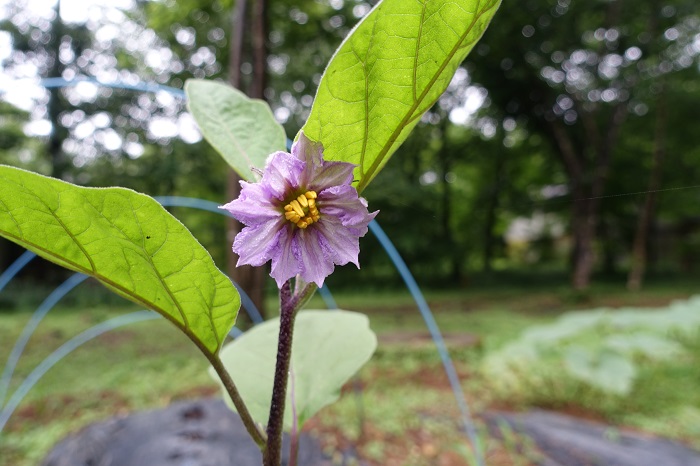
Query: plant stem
<point x="303" y="293"/>
<point x="257" y="435"/>
<point x="293" y="435"/>
<point x="272" y="454"/>
<point x="294" y="449"/>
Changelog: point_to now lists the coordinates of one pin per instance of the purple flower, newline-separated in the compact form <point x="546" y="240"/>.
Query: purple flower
<point x="303" y="214"/>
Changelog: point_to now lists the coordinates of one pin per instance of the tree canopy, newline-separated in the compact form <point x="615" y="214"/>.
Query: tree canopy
<point x="561" y="108"/>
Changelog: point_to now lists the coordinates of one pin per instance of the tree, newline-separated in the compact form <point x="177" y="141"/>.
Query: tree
<point x="639" y="247"/>
<point x="575" y="74"/>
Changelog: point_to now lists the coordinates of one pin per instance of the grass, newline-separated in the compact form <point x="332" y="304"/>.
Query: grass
<point x="406" y="414"/>
<point x="145" y="365"/>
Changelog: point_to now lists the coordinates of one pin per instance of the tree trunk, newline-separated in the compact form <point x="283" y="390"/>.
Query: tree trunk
<point x="582" y="259"/>
<point x="445" y="163"/>
<point x="492" y="202"/>
<point x="639" y="259"/>
<point x="587" y="164"/>
<point x="586" y="196"/>
<point x="55" y="106"/>
<point x="249" y="279"/>
<point x="639" y="249"/>
<point x="259" y="32"/>
<point x="608" y="246"/>
<point x="583" y="226"/>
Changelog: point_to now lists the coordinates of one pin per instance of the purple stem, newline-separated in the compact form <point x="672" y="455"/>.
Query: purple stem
<point x="272" y="454"/>
<point x="293" y="435"/>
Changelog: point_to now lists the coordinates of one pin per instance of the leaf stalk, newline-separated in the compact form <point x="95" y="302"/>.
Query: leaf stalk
<point x="253" y="430"/>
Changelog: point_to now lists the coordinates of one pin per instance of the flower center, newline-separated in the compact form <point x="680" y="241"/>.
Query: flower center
<point x="302" y="211"/>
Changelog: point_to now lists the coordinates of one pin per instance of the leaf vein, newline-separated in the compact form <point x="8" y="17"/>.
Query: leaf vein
<point x="396" y="133"/>
<point x="418" y="46"/>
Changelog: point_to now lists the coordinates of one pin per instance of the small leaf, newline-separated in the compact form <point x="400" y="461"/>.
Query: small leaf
<point x="328" y="348"/>
<point x="242" y="130"/>
<point x="127" y="241"/>
<point x="387" y="73"/>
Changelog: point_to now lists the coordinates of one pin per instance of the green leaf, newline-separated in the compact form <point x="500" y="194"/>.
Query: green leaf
<point x="328" y="348"/>
<point x="242" y="130"/>
<point x="127" y="241"/>
<point x="387" y="73"/>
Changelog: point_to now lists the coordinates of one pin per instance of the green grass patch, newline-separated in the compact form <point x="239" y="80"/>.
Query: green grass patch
<point x="141" y="366"/>
<point x="406" y="410"/>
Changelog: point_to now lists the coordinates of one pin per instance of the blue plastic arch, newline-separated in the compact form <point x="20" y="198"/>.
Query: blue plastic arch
<point x="63" y="351"/>
<point x="6" y="277"/>
<point x="28" y="330"/>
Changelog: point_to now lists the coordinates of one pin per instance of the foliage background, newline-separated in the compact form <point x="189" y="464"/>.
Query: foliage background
<point x="496" y="192"/>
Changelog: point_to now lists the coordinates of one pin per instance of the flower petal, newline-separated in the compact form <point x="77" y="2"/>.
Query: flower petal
<point x="307" y="150"/>
<point x="255" y="244"/>
<point x="318" y="174"/>
<point x="282" y="174"/>
<point x="331" y="174"/>
<point x="253" y="205"/>
<point x="342" y="202"/>
<point x="340" y="243"/>
<point x="285" y="263"/>
<point x="316" y="262"/>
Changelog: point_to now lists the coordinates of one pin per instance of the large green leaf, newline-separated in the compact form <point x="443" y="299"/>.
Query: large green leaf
<point x="242" y="130"/>
<point x="389" y="71"/>
<point x="328" y="348"/>
<point x="127" y="241"/>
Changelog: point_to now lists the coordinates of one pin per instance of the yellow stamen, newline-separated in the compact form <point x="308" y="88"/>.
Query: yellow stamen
<point x="297" y="208"/>
<point x="302" y="211"/>
<point x="292" y="216"/>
